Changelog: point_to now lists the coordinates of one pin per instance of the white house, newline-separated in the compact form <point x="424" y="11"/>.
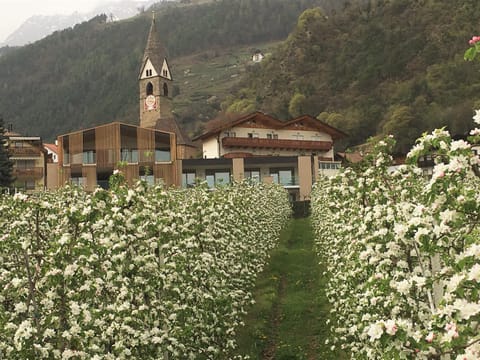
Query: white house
<point x="258" y="56"/>
<point x="260" y="147"/>
<point x="52" y="152"/>
<point x="259" y="134"/>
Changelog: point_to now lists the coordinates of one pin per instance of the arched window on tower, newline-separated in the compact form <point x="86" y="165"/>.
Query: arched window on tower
<point x="165" y="89"/>
<point x="149" y="89"/>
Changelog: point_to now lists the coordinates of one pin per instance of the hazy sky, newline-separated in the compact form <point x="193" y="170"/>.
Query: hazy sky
<point x="14" y="12"/>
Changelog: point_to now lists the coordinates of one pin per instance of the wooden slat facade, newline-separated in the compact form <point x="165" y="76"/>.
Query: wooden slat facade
<point x="90" y="174"/>
<point x="76" y="148"/>
<point x="131" y="172"/>
<point x="140" y="152"/>
<point x="107" y="145"/>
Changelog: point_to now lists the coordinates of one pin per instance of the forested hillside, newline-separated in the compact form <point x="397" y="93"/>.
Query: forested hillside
<point x="391" y="67"/>
<point x="88" y="75"/>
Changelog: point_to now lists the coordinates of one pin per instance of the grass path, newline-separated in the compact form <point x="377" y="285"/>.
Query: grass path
<point x="288" y="320"/>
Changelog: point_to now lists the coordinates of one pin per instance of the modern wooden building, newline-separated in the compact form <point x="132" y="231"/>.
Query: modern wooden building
<point x="89" y="157"/>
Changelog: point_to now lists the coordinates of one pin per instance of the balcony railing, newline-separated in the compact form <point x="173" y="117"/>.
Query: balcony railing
<point x="285" y="179"/>
<point x="293" y="181"/>
<point x="276" y="143"/>
<point x="35" y="172"/>
<point x="25" y="151"/>
<point x="112" y="157"/>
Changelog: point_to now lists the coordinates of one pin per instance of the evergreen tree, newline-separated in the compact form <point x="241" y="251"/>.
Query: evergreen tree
<point x="6" y="165"/>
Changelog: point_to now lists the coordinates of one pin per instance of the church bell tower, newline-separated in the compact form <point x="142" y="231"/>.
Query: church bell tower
<point x="155" y="81"/>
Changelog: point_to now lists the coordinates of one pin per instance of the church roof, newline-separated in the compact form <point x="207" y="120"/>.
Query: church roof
<point x="154" y="50"/>
<point x="171" y="125"/>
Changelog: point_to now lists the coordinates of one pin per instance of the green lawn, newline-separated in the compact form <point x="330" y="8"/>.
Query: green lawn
<point x="288" y="319"/>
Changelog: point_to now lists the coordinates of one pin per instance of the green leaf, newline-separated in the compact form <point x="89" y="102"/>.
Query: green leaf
<point x="470" y="54"/>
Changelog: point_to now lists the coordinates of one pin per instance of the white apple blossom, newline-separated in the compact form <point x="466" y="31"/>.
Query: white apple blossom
<point x="429" y="338"/>
<point x="476" y="117"/>
<point x="459" y="145"/>
<point x="474" y="273"/>
<point x="454" y="281"/>
<point x="391" y="327"/>
<point x="421" y="235"/>
<point x="375" y="331"/>
<point x="133" y="273"/>
<point x="466" y="309"/>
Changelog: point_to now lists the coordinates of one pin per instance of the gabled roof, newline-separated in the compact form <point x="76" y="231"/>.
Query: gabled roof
<point x="310" y="121"/>
<point x="171" y="125"/>
<point x="154" y="50"/>
<point x="258" y="118"/>
<point x="52" y="147"/>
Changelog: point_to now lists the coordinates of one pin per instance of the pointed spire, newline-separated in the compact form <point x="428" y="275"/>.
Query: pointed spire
<point x="154" y="50"/>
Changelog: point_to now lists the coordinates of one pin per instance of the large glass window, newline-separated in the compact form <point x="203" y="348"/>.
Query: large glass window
<point x="188" y="178"/>
<point x="80" y="181"/>
<point x="89" y="157"/>
<point x="103" y="177"/>
<point x="162" y="147"/>
<point x="77" y="178"/>
<point x="282" y="176"/>
<point x="129" y="155"/>
<point x="128" y="140"/>
<point x="89" y="147"/>
<point x="146" y="175"/>
<point x="162" y="155"/>
<point x="252" y="174"/>
<point x="66" y="150"/>
<point x="329" y="165"/>
<point x="217" y="177"/>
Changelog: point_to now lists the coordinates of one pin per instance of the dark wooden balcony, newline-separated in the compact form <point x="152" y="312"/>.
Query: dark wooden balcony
<point x="276" y="143"/>
<point x="22" y="173"/>
<point x="25" y="151"/>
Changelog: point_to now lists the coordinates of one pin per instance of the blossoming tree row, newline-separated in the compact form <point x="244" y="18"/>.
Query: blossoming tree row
<point x="403" y="252"/>
<point x="132" y="273"/>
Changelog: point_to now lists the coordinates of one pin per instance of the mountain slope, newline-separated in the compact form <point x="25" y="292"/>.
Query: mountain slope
<point x="388" y="67"/>
<point x="87" y="75"/>
<point x="38" y="26"/>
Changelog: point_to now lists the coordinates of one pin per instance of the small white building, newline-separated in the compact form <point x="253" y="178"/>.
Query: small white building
<point x="258" y="56"/>
<point x="52" y="152"/>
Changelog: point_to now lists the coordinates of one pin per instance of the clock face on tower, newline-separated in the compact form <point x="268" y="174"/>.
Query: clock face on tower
<point x="150" y="103"/>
